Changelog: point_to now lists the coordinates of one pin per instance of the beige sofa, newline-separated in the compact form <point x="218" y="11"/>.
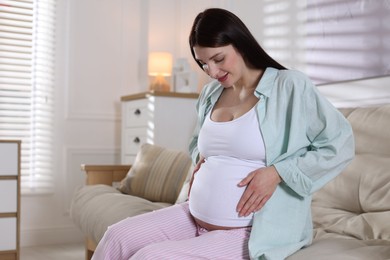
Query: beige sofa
<point x="351" y="214"/>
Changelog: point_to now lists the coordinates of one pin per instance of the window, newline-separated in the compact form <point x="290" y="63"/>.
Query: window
<point x="347" y="40"/>
<point x="26" y="86"/>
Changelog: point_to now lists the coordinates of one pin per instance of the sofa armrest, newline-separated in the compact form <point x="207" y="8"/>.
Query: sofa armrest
<point x="105" y="174"/>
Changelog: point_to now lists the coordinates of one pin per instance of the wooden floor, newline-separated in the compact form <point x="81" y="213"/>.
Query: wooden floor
<point x="53" y="252"/>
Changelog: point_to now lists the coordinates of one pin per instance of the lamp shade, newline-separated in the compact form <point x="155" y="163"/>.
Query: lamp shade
<point x="160" y="64"/>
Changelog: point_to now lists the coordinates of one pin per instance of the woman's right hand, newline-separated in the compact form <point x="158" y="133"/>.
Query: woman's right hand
<point x="196" y="168"/>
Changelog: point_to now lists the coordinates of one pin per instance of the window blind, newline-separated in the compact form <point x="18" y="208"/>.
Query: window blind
<point x="26" y="87"/>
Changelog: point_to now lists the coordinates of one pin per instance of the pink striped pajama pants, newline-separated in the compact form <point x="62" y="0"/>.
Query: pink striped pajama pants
<point x="170" y="233"/>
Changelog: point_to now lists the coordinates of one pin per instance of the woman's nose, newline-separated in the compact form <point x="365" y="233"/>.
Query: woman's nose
<point x="211" y="70"/>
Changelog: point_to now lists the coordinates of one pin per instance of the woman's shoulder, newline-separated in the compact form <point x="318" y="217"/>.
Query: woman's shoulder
<point x="293" y="80"/>
<point x="210" y="88"/>
<point x="293" y="76"/>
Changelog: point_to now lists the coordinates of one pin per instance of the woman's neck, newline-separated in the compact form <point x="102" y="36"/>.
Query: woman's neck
<point x="249" y="80"/>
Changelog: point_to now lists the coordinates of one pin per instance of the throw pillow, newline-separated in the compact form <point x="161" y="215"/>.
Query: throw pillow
<point x="157" y="174"/>
<point x="183" y="195"/>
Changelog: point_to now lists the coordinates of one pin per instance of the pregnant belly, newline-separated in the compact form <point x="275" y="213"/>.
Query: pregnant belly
<point x="215" y="193"/>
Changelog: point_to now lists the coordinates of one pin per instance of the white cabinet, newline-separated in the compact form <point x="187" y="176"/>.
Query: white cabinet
<point x="166" y="119"/>
<point x="9" y="199"/>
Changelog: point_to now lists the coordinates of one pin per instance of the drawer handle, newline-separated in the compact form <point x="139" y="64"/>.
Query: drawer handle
<point x="136" y="140"/>
<point x="137" y="112"/>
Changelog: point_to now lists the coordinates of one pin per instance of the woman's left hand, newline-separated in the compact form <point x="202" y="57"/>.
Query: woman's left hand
<point x="261" y="184"/>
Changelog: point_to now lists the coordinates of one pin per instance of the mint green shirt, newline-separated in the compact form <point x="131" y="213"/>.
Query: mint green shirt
<point x="307" y="140"/>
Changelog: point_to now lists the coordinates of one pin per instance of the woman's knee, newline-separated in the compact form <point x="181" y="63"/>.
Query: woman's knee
<point x="150" y="252"/>
<point x="116" y="233"/>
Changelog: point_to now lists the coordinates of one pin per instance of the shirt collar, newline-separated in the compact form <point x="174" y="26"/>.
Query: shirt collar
<point x="216" y="93"/>
<point x="263" y="88"/>
<point x="266" y="82"/>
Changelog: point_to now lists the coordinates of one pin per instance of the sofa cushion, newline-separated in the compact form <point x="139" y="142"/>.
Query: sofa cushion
<point x="183" y="195"/>
<point x="356" y="204"/>
<point x="96" y="207"/>
<point x="344" y="249"/>
<point x="157" y="174"/>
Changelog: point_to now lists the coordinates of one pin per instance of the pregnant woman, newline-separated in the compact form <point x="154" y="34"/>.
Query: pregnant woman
<point x="265" y="141"/>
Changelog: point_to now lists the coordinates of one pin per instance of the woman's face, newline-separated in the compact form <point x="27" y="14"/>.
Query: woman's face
<point x="222" y="63"/>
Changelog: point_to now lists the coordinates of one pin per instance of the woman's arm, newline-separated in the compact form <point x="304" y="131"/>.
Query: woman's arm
<point x="331" y="147"/>
<point x="309" y="142"/>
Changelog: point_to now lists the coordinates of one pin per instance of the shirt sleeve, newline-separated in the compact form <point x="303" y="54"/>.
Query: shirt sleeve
<point x="331" y="146"/>
<point x="193" y="146"/>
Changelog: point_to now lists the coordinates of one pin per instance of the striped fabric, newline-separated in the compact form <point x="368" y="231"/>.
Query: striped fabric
<point x="170" y="234"/>
<point x="157" y="174"/>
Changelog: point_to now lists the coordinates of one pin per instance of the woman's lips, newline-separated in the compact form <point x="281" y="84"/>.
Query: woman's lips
<point x="223" y="78"/>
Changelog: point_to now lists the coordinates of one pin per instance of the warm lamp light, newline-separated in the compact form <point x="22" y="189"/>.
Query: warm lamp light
<point x="160" y="66"/>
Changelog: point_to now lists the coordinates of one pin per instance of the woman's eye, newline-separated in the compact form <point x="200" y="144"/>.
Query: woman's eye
<point x="218" y="60"/>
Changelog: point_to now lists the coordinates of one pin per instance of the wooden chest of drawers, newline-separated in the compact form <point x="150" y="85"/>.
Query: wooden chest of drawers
<point x="166" y="119"/>
<point x="9" y="199"/>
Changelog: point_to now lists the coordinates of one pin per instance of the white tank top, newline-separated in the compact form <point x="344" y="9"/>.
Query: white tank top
<point x="232" y="150"/>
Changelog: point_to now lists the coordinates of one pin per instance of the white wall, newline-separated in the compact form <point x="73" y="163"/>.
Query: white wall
<point x="102" y="53"/>
<point x="99" y="50"/>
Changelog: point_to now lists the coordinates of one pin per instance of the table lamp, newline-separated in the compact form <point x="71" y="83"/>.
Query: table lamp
<point x="159" y="67"/>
